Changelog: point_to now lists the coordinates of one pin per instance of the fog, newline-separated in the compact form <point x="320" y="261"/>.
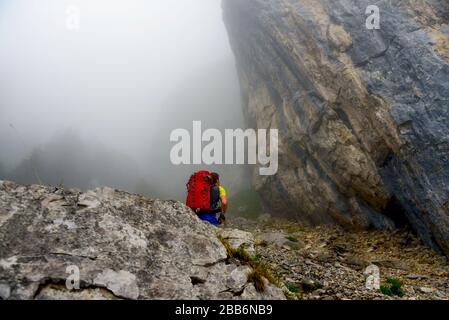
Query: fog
<point x="93" y="102"/>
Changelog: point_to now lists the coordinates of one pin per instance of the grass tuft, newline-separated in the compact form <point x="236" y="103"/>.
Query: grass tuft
<point x="317" y="285"/>
<point x="293" y="288"/>
<point x="393" y="287"/>
<point x="260" y="269"/>
<point x="257" y="279"/>
<point x="292" y="239"/>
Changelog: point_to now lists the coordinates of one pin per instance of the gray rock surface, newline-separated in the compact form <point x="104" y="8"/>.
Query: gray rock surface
<point x="279" y="239"/>
<point x="239" y="239"/>
<point x="124" y="246"/>
<point x="372" y="274"/>
<point x="363" y="115"/>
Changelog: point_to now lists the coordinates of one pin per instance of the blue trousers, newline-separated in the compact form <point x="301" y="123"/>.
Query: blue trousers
<point x="209" y="217"/>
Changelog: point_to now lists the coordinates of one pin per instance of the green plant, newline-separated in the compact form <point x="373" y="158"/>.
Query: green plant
<point x="257" y="257"/>
<point x="292" y="239"/>
<point x="293" y="288"/>
<point x="317" y="285"/>
<point x="393" y="287"/>
<point x="257" y="279"/>
<point x="385" y="289"/>
<point x="260" y="270"/>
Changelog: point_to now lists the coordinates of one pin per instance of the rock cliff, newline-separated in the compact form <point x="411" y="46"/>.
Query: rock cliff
<point x="123" y="246"/>
<point x="363" y="114"/>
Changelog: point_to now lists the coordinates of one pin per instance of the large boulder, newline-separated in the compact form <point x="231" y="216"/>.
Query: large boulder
<point x="363" y="115"/>
<point x="124" y="247"/>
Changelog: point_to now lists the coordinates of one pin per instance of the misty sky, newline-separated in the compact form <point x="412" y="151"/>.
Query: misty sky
<point x="133" y="71"/>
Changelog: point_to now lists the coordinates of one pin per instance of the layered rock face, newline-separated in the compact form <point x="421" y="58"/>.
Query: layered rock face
<point x="363" y="115"/>
<point x="121" y="246"/>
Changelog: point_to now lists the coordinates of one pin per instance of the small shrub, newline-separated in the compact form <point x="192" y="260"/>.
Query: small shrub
<point x="257" y="257"/>
<point x="257" y="279"/>
<point x="292" y="239"/>
<point x="396" y="287"/>
<point x="393" y="287"/>
<point x="385" y="289"/>
<point x="293" y="288"/>
<point x="317" y="285"/>
<point x="261" y="270"/>
<point x="241" y="255"/>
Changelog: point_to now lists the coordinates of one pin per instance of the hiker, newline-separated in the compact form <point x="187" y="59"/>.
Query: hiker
<point x="207" y="197"/>
<point x="219" y="199"/>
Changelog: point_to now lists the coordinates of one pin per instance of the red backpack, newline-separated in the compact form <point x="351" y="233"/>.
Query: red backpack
<point x="198" y="191"/>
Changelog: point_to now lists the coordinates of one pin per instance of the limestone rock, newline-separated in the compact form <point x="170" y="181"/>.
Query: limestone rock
<point x="238" y="278"/>
<point x="427" y="290"/>
<point x="362" y="114"/>
<point x="372" y="273"/>
<point x="113" y="244"/>
<point x="393" y="264"/>
<point x="250" y="292"/>
<point x="122" y="283"/>
<point x="239" y="239"/>
<point x="356" y="262"/>
<point x="5" y="291"/>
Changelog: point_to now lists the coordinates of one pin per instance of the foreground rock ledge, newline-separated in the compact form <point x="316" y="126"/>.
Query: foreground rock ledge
<point x="125" y="246"/>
